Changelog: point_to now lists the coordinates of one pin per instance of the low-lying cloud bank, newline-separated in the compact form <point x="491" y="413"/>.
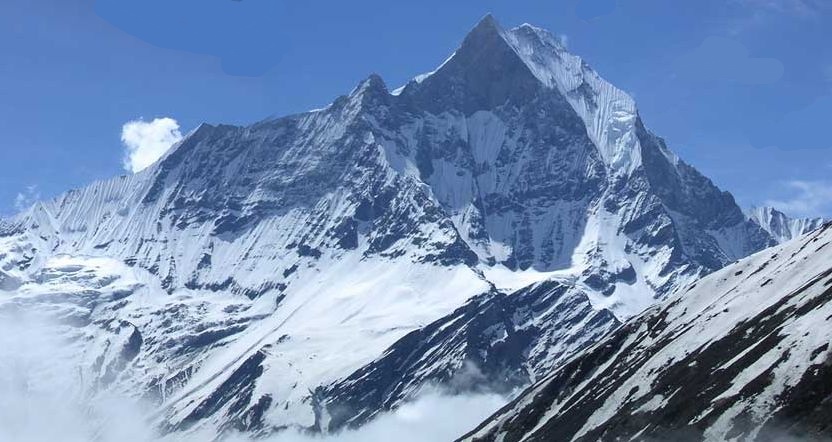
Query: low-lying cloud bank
<point x="432" y="417"/>
<point x="42" y="399"/>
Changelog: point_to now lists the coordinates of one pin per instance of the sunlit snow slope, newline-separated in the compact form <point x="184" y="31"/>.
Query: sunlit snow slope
<point x="742" y="354"/>
<point x="501" y="212"/>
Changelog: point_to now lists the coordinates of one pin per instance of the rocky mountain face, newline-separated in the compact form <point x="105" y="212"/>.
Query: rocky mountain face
<point x="780" y="226"/>
<point x="501" y="212"/>
<point x="742" y="354"/>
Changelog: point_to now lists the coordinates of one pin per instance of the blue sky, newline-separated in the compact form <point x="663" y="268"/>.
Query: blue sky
<point x="741" y="89"/>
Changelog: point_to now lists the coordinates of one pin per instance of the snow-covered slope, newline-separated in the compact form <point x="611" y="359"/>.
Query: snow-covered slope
<point x="742" y="354"/>
<point x="780" y="226"/>
<point x="279" y="262"/>
<point x="495" y="342"/>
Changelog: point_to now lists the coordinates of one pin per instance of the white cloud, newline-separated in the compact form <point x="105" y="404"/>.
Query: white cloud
<point x="805" y="198"/>
<point x="432" y="416"/>
<point x="42" y="399"/>
<point x="145" y="142"/>
<point x="26" y="198"/>
<point x="754" y="14"/>
<point x="799" y="8"/>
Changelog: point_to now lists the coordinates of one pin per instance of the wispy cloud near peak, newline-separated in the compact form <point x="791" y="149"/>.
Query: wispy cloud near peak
<point x="145" y="142"/>
<point x="26" y="198"/>
<point x="805" y="198"/>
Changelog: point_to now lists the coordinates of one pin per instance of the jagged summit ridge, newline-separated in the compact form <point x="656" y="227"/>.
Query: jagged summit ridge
<point x="609" y="114"/>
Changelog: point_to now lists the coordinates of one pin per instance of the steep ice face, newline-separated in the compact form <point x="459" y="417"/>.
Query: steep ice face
<point x="608" y="113"/>
<point x="782" y="227"/>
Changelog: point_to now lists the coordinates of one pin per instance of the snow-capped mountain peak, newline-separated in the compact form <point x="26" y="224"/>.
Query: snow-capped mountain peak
<point x="285" y="264"/>
<point x="609" y="114"/>
<point x="781" y="226"/>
